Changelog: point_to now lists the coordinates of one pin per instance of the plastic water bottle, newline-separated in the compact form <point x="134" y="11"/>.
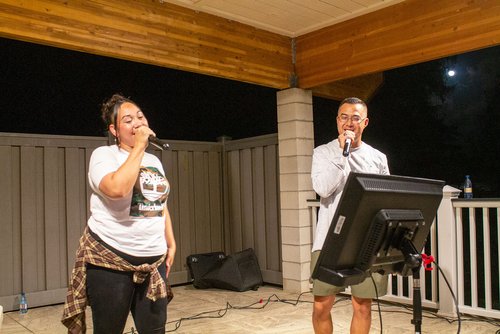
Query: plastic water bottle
<point x="23" y="304"/>
<point x="467" y="187"/>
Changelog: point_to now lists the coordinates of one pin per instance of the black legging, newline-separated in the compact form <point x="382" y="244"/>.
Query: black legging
<point x="112" y="294"/>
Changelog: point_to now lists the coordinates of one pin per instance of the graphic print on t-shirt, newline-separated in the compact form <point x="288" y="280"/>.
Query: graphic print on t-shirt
<point x="149" y="194"/>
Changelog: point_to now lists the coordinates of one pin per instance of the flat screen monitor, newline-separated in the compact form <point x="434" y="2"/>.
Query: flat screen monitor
<point x="380" y="223"/>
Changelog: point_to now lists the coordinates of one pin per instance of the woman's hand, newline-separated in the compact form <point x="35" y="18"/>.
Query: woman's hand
<point x="141" y="136"/>
<point x="170" y="259"/>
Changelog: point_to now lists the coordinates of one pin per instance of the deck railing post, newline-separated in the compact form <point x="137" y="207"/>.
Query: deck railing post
<point x="447" y="250"/>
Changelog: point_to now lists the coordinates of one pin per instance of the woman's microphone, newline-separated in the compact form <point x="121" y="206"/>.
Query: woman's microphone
<point x="158" y="143"/>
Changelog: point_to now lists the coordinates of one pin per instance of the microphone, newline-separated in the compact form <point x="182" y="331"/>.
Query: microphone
<point x="347" y="147"/>
<point x="158" y="143"/>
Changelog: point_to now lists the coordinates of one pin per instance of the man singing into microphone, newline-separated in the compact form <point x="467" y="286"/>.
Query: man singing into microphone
<point x="331" y="165"/>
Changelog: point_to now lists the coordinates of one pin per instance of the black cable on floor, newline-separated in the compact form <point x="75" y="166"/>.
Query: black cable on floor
<point x="222" y="312"/>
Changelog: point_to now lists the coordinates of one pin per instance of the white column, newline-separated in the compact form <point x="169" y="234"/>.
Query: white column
<point x="296" y="144"/>
<point x="447" y="248"/>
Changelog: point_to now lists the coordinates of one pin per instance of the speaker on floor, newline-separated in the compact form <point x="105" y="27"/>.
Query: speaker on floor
<point x="200" y="264"/>
<point x="237" y="272"/>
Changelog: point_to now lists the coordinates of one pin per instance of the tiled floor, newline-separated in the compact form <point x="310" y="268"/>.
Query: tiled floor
<point x="247" y="314"/>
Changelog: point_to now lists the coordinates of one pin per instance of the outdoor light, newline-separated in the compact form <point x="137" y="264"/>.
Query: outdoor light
<point x="451" y="73"/>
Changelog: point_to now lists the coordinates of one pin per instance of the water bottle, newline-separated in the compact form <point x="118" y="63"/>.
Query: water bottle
<point x="23" y="304"/>
<point x="467" y="187"/>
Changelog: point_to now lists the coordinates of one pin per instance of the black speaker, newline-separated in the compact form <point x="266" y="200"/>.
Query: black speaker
<point x="237" y="272"/>
<point x="200" y="264"/>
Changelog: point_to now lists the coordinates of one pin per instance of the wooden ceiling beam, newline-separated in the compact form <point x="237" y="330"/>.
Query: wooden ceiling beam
<point x="407" y="33"/>
<point x="154" y="33"/>
<point x="363" y="87"/>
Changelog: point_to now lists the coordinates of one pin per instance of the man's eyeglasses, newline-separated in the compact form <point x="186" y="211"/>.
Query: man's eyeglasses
<point x="343" y="118"/>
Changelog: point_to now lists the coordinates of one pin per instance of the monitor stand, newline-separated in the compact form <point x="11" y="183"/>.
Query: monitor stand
<point x="413" y="260"/>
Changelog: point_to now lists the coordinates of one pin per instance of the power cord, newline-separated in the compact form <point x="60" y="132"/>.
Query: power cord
<point x="378" y="303"/>
<point x="429" y="314"/>
<point x="222" y="312"/>
<point x="428" y="259"/>
<point x="455" y="301"/>
<point x="407" y="309"/>
<point x="219" y="313"/>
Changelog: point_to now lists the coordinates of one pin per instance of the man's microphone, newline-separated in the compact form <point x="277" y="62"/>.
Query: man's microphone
<point x="347" y="147"/>
<point x="158" y="143"/>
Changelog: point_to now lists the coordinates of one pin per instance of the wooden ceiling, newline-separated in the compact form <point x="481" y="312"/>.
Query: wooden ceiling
<point x="348" y="56"/>
<point x="290" y="18"/>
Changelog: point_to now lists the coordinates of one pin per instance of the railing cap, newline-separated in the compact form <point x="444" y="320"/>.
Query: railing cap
<point x="451" y="192"/>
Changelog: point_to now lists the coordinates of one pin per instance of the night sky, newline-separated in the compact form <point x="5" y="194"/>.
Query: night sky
<point x="56" y="91"/>
<point x="429" y="125"/>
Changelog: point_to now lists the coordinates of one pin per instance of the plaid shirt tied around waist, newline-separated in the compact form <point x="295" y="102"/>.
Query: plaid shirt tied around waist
<point x="91" y="251"/>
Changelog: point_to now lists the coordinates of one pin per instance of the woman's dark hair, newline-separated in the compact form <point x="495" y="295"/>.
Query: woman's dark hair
<point x="109" y="109"/>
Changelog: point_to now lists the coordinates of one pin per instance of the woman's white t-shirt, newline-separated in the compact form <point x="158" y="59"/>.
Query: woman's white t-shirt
<point x="134" y="224"/>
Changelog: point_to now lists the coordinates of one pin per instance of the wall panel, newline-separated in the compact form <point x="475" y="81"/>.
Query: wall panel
<point x="215" y="200"/>
<point x="253" y="191"/>
<point x="234" y="193"/>
<point x="185" y="217"/>
<point x="7" y="227"/>
<point x="271" y="192"/>
<point x="259" y="205"/>
<point x="246" y="201"/>
<point x="201" y="203"/>
<point x="29" y="232"/>
<point x="54" y="250"/>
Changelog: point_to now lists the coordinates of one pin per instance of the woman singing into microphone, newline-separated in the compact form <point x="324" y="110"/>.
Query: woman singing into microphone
<point x="128" y="246"/>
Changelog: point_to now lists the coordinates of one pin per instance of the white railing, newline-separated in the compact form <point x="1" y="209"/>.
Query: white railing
<point x="466" y="259"/>
<point x="479" y="294"/>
